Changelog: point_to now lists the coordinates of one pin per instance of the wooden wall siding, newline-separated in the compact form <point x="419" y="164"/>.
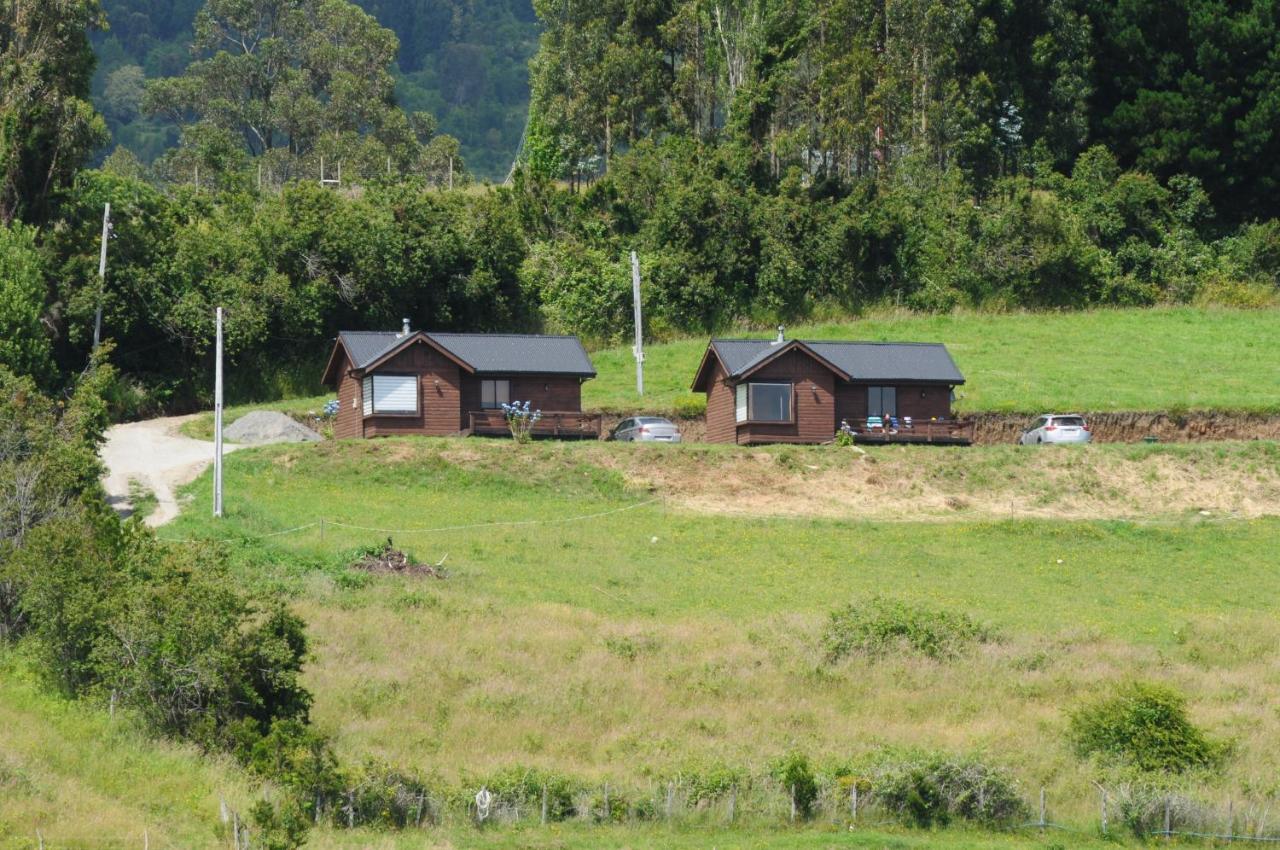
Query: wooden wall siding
<point x="543" y="392"/>
<point x="721" y="424"/>
<point x="813" y="405"/>
<point x="439" y="395"/>
<point x="851" y="401"/>
<point x="347" y="423"/>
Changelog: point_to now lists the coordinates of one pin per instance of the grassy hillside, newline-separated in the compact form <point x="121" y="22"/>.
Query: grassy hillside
<point x="1135" y="359"/>
<point x="86" y="780"/>
<point x="673" y="636"/>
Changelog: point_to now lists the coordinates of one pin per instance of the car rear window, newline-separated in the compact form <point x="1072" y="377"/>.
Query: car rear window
<point x="1069" y="421"/>
<point x="653" y="420"/>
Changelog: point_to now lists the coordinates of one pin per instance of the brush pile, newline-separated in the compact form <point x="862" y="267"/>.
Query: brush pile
<point x="388" y="559"/>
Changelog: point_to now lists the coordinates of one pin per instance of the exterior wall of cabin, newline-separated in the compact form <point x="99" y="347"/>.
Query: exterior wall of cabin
<point x="348" y="422"/>
<point x="919" y="401"/>
<point x="560" y="393"/>
<point x="439" y="397"/>
<point x="812" y="402"/>
<point x="721" y="427"/>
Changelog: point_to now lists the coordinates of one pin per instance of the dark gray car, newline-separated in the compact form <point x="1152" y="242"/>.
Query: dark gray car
<point x="646" y="429"/>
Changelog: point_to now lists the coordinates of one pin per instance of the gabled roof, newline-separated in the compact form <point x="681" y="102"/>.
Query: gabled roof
<point x="529" y="354"/>
<point x="888" y="362"/>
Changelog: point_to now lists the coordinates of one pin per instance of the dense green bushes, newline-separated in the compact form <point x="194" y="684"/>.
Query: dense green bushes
<point x="881" y="626"/>
<point x="1143" y="726"/>
<point x="929" y="789"/>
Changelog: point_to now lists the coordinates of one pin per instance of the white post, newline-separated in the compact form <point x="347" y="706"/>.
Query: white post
<point x="102" y="274"/>
<point x="217" y="421"/>
<point x="635" y="300"/>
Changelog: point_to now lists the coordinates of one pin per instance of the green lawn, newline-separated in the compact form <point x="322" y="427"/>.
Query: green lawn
<point x="1118" y="359"/>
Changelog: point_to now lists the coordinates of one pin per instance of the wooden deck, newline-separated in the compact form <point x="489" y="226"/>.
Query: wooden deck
<point x="950" y="432"/>
<point x="565" y="425"/>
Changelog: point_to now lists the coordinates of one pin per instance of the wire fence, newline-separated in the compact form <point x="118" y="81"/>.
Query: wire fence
<point x="323" y="524"/>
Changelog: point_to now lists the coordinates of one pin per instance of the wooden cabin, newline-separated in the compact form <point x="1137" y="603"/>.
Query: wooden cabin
<point x="413" y="382"/>
<point x="802" y="391"/>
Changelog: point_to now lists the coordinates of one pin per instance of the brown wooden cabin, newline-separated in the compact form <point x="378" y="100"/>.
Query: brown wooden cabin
<point x="412" y="382"/>
<point x="800" y="391"/>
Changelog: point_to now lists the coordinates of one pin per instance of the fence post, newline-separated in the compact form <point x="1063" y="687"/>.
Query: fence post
<point x="670" y="794"/>
<point x="1168" y="832"/>
<point x="853" y="802"/>
<point x="1103" y="807"/>
<point x="321" y="529"/>
<point x="146" y="839"/>
<point x="1042" y="809"/>
<point x="1231" y="818"/>
<point x="606" y="801"/>
<point x="544" y="804"/>
<point x="417" y="818"/>
<point x="793" y="803"/>
<point x="40" y="839"/>
<point x="733" y="802"/>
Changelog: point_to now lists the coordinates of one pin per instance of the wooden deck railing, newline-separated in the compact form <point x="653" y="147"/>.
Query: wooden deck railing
<point x="953" y="431"/>
<point x="554" y="423"/>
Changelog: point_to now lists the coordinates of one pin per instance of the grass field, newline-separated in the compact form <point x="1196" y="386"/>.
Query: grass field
<point x="1133" y="359"/>
<point x="667" y="637"/>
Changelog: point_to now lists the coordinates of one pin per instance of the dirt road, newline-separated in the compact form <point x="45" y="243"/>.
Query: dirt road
<point x="160" y="459"/>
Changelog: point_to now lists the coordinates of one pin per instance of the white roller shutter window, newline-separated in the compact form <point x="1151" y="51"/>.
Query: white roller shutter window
<point x="741" y="399"/>
<point x="366" y="392"/>
<point x="395" y="393"/>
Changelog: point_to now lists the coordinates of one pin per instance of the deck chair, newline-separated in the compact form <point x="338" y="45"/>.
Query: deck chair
<point x="907" y="423"/>
<point x="874" y="422"/>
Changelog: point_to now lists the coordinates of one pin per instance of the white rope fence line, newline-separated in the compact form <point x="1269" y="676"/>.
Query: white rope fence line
<point x="494" y="524"/>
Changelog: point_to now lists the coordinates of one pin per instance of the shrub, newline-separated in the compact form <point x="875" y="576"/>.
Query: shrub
<point x="880" y="626"/>
<point x="1144" y="726"/>
<point x="689" y="406"/>
<point x="795" y="775"/>
<point x="929" y="789"/>
<point x="524" y="786"/>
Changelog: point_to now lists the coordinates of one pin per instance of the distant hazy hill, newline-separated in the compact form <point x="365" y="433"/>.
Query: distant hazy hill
<point x="465" y="62"/>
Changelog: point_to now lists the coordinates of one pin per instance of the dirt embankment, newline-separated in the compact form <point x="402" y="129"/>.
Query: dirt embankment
<point x="1134" y="427"/>
<point x="1137" y="426"/>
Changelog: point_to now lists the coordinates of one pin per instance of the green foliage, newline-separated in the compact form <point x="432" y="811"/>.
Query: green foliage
<point x="1144" y="726"/>
<point x="24" y="345"/>
<point x="930" y="789"/>
<point x="525" y="785"/>
<point x="48" y="128"/>
<point x="689" y="406"/>
<point x="881" y="626"/>
<point x="796" y="776"/>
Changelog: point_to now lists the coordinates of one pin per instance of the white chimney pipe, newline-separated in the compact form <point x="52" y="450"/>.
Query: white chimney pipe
<point x="405" y="330"/>
<point x="782" y="331"/>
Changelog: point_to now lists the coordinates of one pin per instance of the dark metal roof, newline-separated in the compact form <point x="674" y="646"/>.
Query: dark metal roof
<point x="863" y="361"/>
<point x="364" y="347"/>
<point x="528" y="353"/>
<point x="485" y="353"/>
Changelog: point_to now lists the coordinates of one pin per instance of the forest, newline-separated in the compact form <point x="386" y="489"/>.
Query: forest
<point x="769" y="162"/>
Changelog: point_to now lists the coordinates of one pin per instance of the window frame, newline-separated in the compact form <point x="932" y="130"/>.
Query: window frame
<point x="497" y="404"/>
<point x="368" y="396"/>
<point x="880" y="388"/>
<point x="746" y="386"/>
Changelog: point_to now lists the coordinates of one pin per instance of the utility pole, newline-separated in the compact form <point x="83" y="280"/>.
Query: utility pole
<point x="102" y="274"/>
<point x="217" y="421"/>
<point x="635" y="300"/>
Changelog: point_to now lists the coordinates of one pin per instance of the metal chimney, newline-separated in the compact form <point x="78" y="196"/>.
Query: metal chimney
<point x="782" y="334"/>
<point x="405" y="329"/>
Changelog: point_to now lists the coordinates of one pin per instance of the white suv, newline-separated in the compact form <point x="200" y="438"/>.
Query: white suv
<point x="1057" y="428"/>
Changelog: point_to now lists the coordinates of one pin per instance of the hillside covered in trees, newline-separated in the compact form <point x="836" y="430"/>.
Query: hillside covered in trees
<point x="768" y="162"/>
<point x="464" y="63"/>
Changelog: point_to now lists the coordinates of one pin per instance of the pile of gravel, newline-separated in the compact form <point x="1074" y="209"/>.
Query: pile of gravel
<point x="260" y="427"/>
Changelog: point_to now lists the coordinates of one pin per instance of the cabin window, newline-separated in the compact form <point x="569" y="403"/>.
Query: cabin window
<point x="882" y="401"/>
<point x="394" y="394"/>
<point x="494" y="394"/>
<point x="769" y="402"/>
<point x="740" y="402"/>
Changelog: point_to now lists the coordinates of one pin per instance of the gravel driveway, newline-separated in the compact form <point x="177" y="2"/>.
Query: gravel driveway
<point x="154" y="454"/>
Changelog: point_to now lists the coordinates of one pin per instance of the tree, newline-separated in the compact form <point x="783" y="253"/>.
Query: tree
<point x="24" y="343"/>
<point x="47" y="125"/>
<point x="289" y="82"/>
